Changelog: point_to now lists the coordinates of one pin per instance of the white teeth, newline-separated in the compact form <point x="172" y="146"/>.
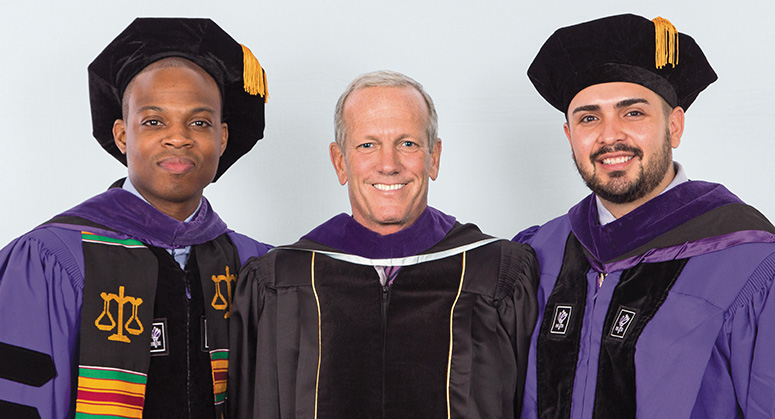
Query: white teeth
<point x="617" y="160"/>
<point x="393" y="187"/>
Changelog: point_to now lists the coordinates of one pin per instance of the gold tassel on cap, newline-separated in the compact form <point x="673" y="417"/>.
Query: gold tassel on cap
<point x="667" y="43"/>
<point x="253" y="75"/>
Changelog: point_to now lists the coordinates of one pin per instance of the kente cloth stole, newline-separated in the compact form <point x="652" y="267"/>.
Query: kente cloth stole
<point x="639" y="294"/>
<point x="117" y="330"/>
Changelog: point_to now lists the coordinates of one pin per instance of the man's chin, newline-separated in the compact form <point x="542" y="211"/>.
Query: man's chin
<point x="620" y="195"/>
<point x="616" y="191"/>
<point x="178" y="193"/>
<point x="389" y="224"/>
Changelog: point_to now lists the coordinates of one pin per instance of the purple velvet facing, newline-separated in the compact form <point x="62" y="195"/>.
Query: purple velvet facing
<point x="342" y="232"/>
<point x="122" y="211"/>
<point x="657" y="216"/>
<point x="687" y="250"/>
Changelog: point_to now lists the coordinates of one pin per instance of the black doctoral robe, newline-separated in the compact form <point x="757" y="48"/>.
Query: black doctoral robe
<point x="315" y="334"/>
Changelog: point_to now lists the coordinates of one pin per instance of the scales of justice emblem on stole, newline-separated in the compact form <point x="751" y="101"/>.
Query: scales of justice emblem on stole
<point x="133" y="325"/>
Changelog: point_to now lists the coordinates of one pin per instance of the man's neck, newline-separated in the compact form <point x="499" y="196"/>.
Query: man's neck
<point x="181" y="211"/>
<point x="344" y="233"/>
<point x="620" y="210"/>
<point x="387" y="229"/>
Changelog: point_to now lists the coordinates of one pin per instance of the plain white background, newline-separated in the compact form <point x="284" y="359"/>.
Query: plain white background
<point x="505" y="163"/>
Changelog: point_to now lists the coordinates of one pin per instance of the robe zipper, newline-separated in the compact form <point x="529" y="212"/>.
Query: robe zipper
<point x="598" y="284"/>
<point x="188" y="288"/>
<point x="385" y="302"/>
<point x="188" y="340"/>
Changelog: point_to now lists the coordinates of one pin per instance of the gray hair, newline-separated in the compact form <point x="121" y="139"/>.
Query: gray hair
<point x="384" y="78"/>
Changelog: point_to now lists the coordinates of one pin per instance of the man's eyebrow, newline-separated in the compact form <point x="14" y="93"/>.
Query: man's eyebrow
<point x="377" y="138"/>
<point x="203" y="109"/>
<point x="628" y="102"/>
<point x="622" y="104"/>
<point x="586" y="108"/>
<point x="149" y="108"/>
<point x="155" y="108"/>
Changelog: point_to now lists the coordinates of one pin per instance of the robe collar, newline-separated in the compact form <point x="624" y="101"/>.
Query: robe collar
<point x="121" y="211"/>
<point x="652" y="219"/>
<point x="606" y="217"/>
<point x="343" y="233"/>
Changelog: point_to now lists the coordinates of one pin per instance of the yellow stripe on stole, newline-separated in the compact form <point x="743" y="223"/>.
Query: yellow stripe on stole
<point x="219" y="387"/>
<point x="112" y="386"/>
<point x="220" y="364"/>
<point x="120" y="410"/>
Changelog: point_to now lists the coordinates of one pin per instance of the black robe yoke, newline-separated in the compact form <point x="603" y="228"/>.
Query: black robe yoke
<point x="317" y="336"/>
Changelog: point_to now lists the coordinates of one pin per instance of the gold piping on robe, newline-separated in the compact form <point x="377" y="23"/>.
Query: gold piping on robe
<point x="451" y="318"/>
<point x="320" y="337"/>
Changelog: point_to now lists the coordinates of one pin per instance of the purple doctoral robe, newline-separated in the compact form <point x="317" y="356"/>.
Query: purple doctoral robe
<point x="41" y="287"/>
<point x="682" y="325"/>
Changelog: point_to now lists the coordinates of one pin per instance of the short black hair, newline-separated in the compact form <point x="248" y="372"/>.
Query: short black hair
<point x="169" y="62"/>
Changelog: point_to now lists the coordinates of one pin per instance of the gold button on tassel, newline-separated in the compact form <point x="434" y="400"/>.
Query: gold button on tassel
<point x="666" y="43"/>
<point x="253" y="75"/>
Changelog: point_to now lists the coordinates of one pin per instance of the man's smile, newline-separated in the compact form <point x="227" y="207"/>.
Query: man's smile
<point x="388" y="187"/>
<point x="616" y="160"/>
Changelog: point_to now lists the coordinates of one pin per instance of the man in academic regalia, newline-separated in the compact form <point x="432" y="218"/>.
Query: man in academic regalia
<point x="120" y="306"/>
<point x="397" y="311"/>
<point x="655" y="294"/>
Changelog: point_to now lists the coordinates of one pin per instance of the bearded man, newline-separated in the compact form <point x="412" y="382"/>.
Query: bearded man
<point x="654" y="296"/>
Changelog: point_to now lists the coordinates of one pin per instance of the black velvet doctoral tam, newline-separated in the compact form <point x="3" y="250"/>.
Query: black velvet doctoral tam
<point x="202" y="41"/>
<point x="623" y="48"/>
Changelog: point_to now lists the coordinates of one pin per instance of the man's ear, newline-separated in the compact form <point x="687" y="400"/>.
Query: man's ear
<point x="675" y="126"/>
<point x="119" y="135"/>
<point x="566" y="128"/>
<point x="435" y="159"/>
<point x="337" y="159"/>
<point x="224" y="137"/>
